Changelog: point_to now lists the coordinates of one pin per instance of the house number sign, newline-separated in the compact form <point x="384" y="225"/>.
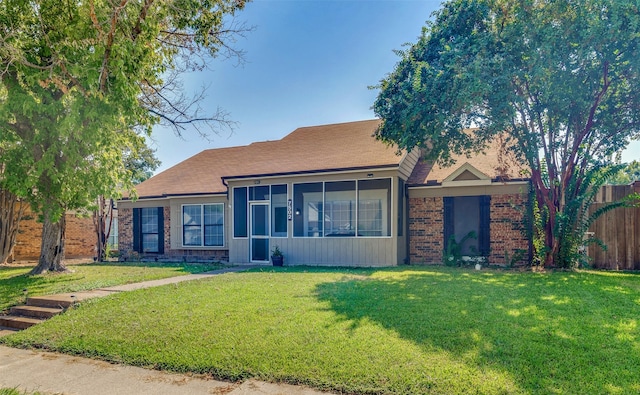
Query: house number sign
<point x="289" y="210"/>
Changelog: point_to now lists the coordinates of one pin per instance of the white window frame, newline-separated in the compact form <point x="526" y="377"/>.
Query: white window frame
<point x="356" y="236"/>
<point x="202" y="226"/>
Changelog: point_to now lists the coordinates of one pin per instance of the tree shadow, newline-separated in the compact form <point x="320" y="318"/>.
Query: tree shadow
<point x="186" y="267"/>
<point x="558" y="332"/>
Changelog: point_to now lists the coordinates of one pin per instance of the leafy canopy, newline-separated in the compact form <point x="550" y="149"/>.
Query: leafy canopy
<point x="560" y="78"/>
<point x="82" y="83"/>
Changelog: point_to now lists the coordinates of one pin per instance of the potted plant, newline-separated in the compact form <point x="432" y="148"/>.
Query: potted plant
<point x="276" y="256"/>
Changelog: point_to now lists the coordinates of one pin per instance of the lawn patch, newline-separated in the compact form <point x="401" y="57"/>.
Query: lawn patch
<point x="15" y="279"/>
<point x="404" y="330"/>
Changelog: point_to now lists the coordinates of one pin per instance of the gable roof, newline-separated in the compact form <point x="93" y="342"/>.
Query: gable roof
<point x="496" y="162"/>
<point x="335" y="147"/>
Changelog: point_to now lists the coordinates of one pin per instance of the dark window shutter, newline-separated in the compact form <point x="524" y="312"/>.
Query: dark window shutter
<point x="401" y="197"/>
<point x="240" y="212"/>
<point x="485" y="225"/>
<point x="160" y="230"/>
<point x="448" y="220"/>
<point x="137" y="235"/>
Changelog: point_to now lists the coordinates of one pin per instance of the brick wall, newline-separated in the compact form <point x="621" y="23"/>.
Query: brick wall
<point x="125" y="230"/>
<point x="80" y="237"/>
<point x="508" y="242"/>
<point x="426" y="227"/>
<point x="125" y="242"/>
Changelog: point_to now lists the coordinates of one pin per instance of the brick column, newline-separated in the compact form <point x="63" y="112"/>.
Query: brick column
<point x="426" y="230"/>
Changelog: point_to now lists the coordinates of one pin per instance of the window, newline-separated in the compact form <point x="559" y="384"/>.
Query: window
<point x="307" y="205"/>
<point x="374" y="207"/>
<point x="148" y="230"/>
<point x="112" y="242"/>
<point x="279" y="211"/>
<point x="259" y="193"/>
<point x="240" y="212"/>
<point x="466" y="221"/>
<point x="342" y="209"/>
<point x="203" y="225"/>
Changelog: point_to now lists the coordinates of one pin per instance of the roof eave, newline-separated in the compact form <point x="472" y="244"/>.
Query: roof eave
<point x="307" y="172"/>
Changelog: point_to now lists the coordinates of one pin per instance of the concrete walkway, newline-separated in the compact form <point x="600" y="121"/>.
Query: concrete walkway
<point x="53" y="373"/>
<point x="99" y="292"/>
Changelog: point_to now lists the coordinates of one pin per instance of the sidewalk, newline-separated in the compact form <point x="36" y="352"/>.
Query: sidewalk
<point x="100" y="292"/>
<point x="53" y="373"/>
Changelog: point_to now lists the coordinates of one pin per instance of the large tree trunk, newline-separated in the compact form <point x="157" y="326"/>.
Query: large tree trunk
<point x="11" y="212"/>
<point x="52" y="246"/>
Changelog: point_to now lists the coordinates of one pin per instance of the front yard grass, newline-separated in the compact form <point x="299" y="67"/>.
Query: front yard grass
<point x="408" y="330"/>
<point x="14" y="279"/>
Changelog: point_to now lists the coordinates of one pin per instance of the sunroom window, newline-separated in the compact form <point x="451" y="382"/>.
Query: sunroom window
<point x="343" y="208"/>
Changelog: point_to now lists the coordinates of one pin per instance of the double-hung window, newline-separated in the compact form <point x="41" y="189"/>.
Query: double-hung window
<point x="203" y="225"/>
<point x="148" y="230"/>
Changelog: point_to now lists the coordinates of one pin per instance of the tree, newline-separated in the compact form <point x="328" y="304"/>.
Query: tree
<point x="141" y="167"/>
<point x="82" y="83"/>
<point x="629" y="174"/>
<point x="11" y="212"/>
<point x="559" y="78"/>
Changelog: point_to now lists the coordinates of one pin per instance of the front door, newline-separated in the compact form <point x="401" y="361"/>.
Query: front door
<point x="259" y="243"/>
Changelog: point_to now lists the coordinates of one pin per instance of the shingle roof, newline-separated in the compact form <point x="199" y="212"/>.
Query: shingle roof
<point x="496" y="162"/>
<point x="316" y="148"/>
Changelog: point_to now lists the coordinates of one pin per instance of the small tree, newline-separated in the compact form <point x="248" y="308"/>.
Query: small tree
<point x="83" y="82"/>
<point x="141" y="167"/>
<point x="559" y="78"/>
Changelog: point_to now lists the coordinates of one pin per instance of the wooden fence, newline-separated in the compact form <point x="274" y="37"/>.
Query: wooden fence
<point x="619" y="230"/>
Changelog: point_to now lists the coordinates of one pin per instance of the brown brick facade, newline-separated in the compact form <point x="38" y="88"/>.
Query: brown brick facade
<point x="125" y="230"/>
<point x="79" y="243"/>
<point x="426" y="227"/>
<point x="508" y="242"/>
<point x="125" y="242"/>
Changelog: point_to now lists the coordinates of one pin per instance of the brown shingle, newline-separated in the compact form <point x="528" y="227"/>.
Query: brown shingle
<point x="315" y="148"/>
<point x="496" y="162"/>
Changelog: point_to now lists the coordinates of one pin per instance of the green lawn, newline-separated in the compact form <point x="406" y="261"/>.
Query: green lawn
<point x="14" y="279"/>
<point x="407" y="330"/>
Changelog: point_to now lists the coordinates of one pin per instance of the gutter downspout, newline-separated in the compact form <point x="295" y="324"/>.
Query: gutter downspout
<point x="224" y="182"/>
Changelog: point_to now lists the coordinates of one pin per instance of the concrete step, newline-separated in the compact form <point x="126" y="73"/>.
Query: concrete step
<point x="36" y="311"/>
<point x="5" y="331"/>
<point x="18" y="322"/>
<point x="56" y="301"/>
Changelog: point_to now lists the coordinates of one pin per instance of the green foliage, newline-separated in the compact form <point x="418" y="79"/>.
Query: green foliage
<point x="558" y="78"/>
<point x="16" y="391"/>
<point x="82" y="83"/>
<point x="452" y="255"/>
<point x="276" y="251"/>
<point x="406" y="330"/>
<point x="626" y="176"/>
<point x="141" y="164"/>
<point x="13" y="280"/>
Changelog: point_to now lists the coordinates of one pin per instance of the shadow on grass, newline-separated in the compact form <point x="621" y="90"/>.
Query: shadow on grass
<point x="559" y="332"/>
<point x="12" y="285"/>
<point x="186" y="267"/>
<point x="314" y="269"/>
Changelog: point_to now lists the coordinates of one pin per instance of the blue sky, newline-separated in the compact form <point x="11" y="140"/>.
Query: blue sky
<point x="308" y="62"/>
